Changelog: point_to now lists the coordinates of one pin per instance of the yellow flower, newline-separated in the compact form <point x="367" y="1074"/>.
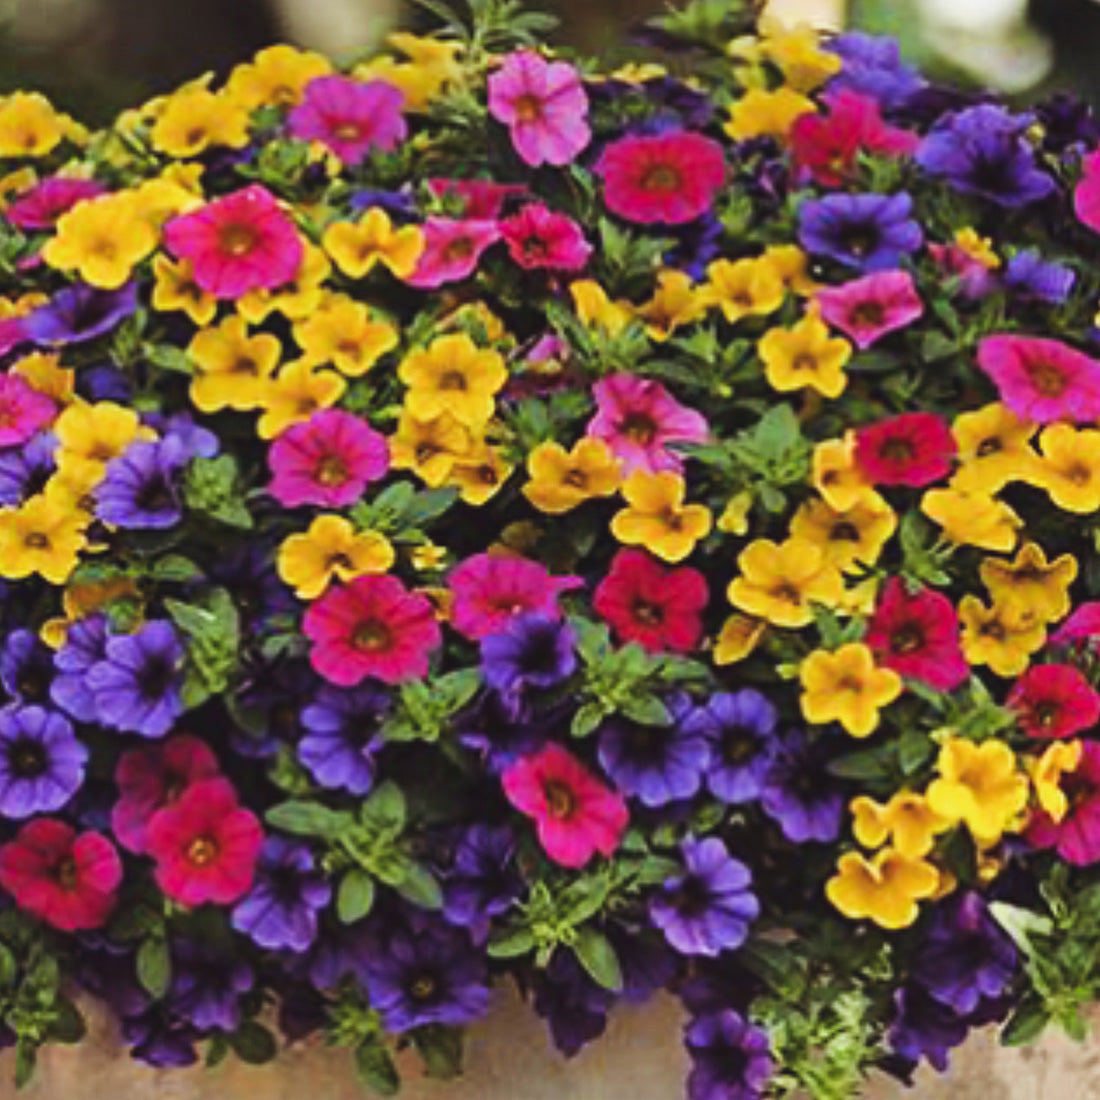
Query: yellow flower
<point x="29" y="126"/>
<point x="797" y="55"/>
<point x="743" y="288"/>
<point x="992" y="449"/>
<point x="734" y="519"/>
<point x="1047" y="771"/>
<point x="296" y="299"/>
<point x="657" y="517"/>
<point x="1030" y="584"/>
<point x="355" y="247"/>
<point x="977" y="247"/>
<point x="1001" y="637"/>
<point x="429" y="448"/>
<point x="102" y="239"/>
<point x="44" y="373"/>
<point x="595" y="309"/>
<point x="232" y="369"/>
<point x="343" y="333"/>
<point x="792" y="266"/>
<point x="805" y="355"/>
<point x="479" y="475"/>
<point x="847" y="539"/>
<point x="89" y="436"/>
<point x="1069" y="470"/>
<point x="760" y="113"/>
<point x="737" y="638"/>
<point x="433" y="64"/>
<point x="561" y="479"/>
<point x="978" y="785"/>
<point x="331" y="550"/>
<point x="78" y="601"/>
<point x="165" y="196"/>
<point x="780" y="583"/>
<point x="453" y="375"/>
<point x="906" y="820"/>
<point x="276" y="76"/>
<point x="675" y="302"/>
<point x="295" y="394"/>
<point x="175" y="288"/>
<point x="843" y="685"/>
<point x="972" y="519"/>
<point x="838" y="478"/>
<point x="194" y="119"/>
<point x="41" y="536"/>
<point x="884" y="888"/>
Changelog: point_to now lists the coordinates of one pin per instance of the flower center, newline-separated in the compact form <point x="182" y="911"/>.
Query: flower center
<point x="331" y="470"/>
<point x="639" y="428"/>
<point x="804" y="362"/>
<point x="202" y="850"/>
<point x="27" y="758"/>
<point x="908" y="639"/>
<point x="739" y="746"/>
<point x="1047" y="379"/>
<point x="535" y="248"/>
<point x="844" y="532"/>
<point x="867" y="313"/>
<point x="896" y="449"/>
<point x="560" y="801"/>
<point x="347" y="131"/>
<point x="989" y="446"/>
<point x="422" y="987"/>
<point x="1045" y="713"/>
<point x="576" y="479"/>
<point x="650" y="614"/>
<point x="461" y="248"/>
<point x="453" y="380"/>
<point x="786" y="592"/>
<point x="371" y="636"/>
<point x="238" y="239"/>
<point x="859" y="239"/>
<point x="66" y="873"/>
<point x="528" y="108"/>
<point x="661" y="177"/>
<point x="36" y="540"/>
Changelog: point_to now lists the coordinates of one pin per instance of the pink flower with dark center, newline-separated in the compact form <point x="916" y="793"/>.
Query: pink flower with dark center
<point x="1054" y="701"/>
<point x="544" y="106"/>
<point x="671" y="178"/>
<point x="23" y="410"/>
<point x="539" y="238"/>
<point x="452" y="249"/>
<point x="490" y="589"/>
<point x="372" y="627"/>
<point x="1086" y="196"/>
<point x="1082" y="625"/>
<point x="43" y="204"/>
<point x="913" y="449"/>
<point x="349" y="116"/>
<point x="482" y="199"/>
<point x="866" y="309"/>
<point x="327" y="460"/>
<point x="575" y="815"/>
<point x="240" y="242"/>
<point x="1077" y="836"/>
<point x="637" y="418"/>
<point x="1042" y="380"/>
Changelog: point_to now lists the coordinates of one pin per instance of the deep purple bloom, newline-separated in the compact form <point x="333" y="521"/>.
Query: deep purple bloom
<point x="867" y="232"/>
<point x="656" y="764"/>
<point x="1030" y="276"/>
<point x="78" y="313"/>
<point x="344" y="735"/>
<point x="483" y="880"/>
<point x="249" y="575"/>
<point x="207" y="985"/>
<point x="533" y="651"/>
<point x="982" y="151"/>
<point x="269" y="705"/>
<point x="161" y="1040"/>
<point x="740" y="727"/>
<point x="797" y="793"/>
<point x="573" y="1006"/>
<point x="137" y="684"/>
<point x="503" y="728"/>
<point x="341" y="952"/>
<point x="1067" y="123"/>
<point x="708" y="908"/>
<point x="400" y="205"/>
<point x="873" y="67"/>
<point x="85" y="645"/>
<point x="139" y="489"/>
<point x="26" y="667"/>
<point x="280" y="911"/>
<point x="647" y="962"/>
<point x="194" y="440"/>
<point x="697" y="243"/>
<point x="104" y="382"/>
<point x="924" y="1027"/>
<point x="730" y="1057"/>
<point x="41" y="761"/>
<point x="25" y="470"/>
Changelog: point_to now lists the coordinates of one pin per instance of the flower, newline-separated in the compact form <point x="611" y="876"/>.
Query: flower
<point x="1074" y="831"/>
<point x="575" y="815"/>
<point x="868" y="232"/>
<point x="483" y="880"/>
<point x="805" y="355"/>
<point x="796" y="794"/>
<point x="232" y="368"/>
<point x="1001" y="636"/>
<point x="452" y="375"/>
<point x="139" y="489"/>
<point x="913" y="449"/>
<point x="638" y="418"/>
<point x="207" y="984"/>
<point x="328" y="460"/>
<point x="561" y="479"/>
<point x="539" y="238"/>
<point x="1069" y="469"/>
<point x="780" y="582"/>
<point x="532" y="651"/>
<point x="744" y="288"/>
<point x="846" y="686"/>
<point x="868" y="308"/>
<point x="240" y="242"/>
<point x="917" y="635"/>
<point x="349" y="117"/>
<point x="44" y="536"/>
<point x="89" y="436"/>
<point x="194" y="118"/>
<point x="1054" y="701"/>
<point x="740" y="727"/>
<point x="372" y="626"/>
<point x="331" y="550"/>
<point x="47" y="200"/>
<point x="849" y="539"/>
<point x="276" y="76"/>
<point x="763" y="113"/>
<point x="872" y="66"/>
<point x="978" y="784"/>
<point x="83" y="645"/>
<point x="25" y="471"/>
<point x="1030" y="584"/>
<point x="885" y="888"/>
<point x="906" y="821"/>
<point x="672" y="177"/>
<point x="1032" y="277"/>
<point x="676" y="302"/>
<point x="430" y="448"/>
<point x="660" y="609"/>
<point x="1086" y="195"/>
<point x="730" y="1057"/>
<point x="451" y="250"/>
<point x="298" y="391"/>
<point x="357" y="247"/>
<point x="657" y="517"/>
<point x="342" y="332"/>
<point x="972" y="519"/>
<point x="709" y="907"/>
<point x="41" y="761"/>
<point x="544" y="106"/>
<point x="26" y="667"/>
<point x="343" y="733"/>
<point x="23" y="411"/>
<point x="992" y="447"/>
<point x="65" y="879"/>
<point x="79" y="313"/>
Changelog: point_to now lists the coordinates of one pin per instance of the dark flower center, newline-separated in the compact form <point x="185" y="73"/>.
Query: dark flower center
<point x="661" y="177"/>
<point x="423" y="987"/>
<point x="739" y="745"/>
<point x="992" y="173"/>
<point x="202" y="850"/>
<point x="576" y="479"/>
<point x="461" y="248"/>
<point x="36" y="540"/>
<point x="560" y="800"/>
<point x="1047" y="379"/>
<point x="540" y="653"/>
<point x="238" y="239"/>
<point x="844" y="531"/>
<point x="331" y="470"/>
<point x="989" y="446"/>
<point x="65" y="873"/>
<point x="452" y="380"/>
<point x="638" y="427"/>
<point x="371" y="636"/>
<point x="859" y="238"/>
<point x="286" y="884"/>
<point x="730" y="1064"/>
<point x="897" y="449"/>
<point x="786" y="592"/>
<point x="647" y="613"/>
<point x="528" y="108"/>
<point x="155" y="677"/>
<point x="347" y="131"/>
<point x="1045" y="713"/>
<point x="27" y="759"/>
<point x="692" y="897"/>
<point x="907" y="639"/>
<point x="867" y="313"/>
<point x="535" y="248"/>
<point x="155" y="495"/>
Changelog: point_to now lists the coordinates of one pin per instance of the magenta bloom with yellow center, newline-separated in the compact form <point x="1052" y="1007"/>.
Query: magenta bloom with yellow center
<point x="1042" y="380"/>
<point x="350" y="117"/>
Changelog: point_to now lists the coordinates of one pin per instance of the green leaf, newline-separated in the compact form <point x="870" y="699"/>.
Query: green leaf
<point x="26" y="1057"/>
<point x="420" y="887"/>
<point x="309" y="819"/>
<point x="1020" y="923"/>
<point x="175" y="569"/>
<point x="646" y="710"/>
<point x="375" y="1069"/>
<point x="510" y="943"/>
<point x="253" y="1043"/>
<point x="869" y="764"/>
<point x="595" y="953"/>
<point x="68" y="1025"/>
<point x="169" y="357"/>
<point x="441" y="1049"/>
<point x="154" y="966"/>
<point x="1026" y="1024"/>
<point x="355" y="896"/>
<point x="217" y="1050"/>
<point x="385" y="809"/>
<point x="587" y="719"/>
<point x="777" y="431"/>
<point x="212" y="487"/>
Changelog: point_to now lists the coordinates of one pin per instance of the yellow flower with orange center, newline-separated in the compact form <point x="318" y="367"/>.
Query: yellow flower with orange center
<point x="331" y="550"/>
<point x="1000" y="636"/>
<point x="797" y="53"/>
<point x="433" y="64"/>
<point x="907" y="821"/>
<point x="294" y="300"/>
<point x="356" y="247"/>
<point x="884" y="889"/>
<point x="453" y="375"/>
<point x="1030" y="584"/>
<point x="792" y="267"/>
<point x="972" y="519"/>
<point x="44" y="373"/>
<point x="848" y="539"/>
<point x="993" y="449"/>
<point x="762" y="113"/>
<point x="194" y="119"/>
<point x="89" y="436"/>
<point x="807" y="354"/>
<point x="780" y="583"/>
<point x="1047" y="772"/>
<point x="561" y="479"/>
<point x="743" y="288"/>
<point x="343" y="332"/>
<point x="41" y="536"/>
<point x="1069" y="469"/>
<point x="479" y="475"/>
<point x="298" y="391"/>
<point x="676" y="302"/>
<point x="596" y="310"/>
<point x="845" y="686"/>
<point x="232" y="369"/>
<point x="657" y="517"/>
<point x="175" y="289"/>
<point x="738" y="637"/>
<point x="29" y="125"/>
<point x="429" y="448"/>
<point x="277" y="76"/>
<point x="978" y="248"/>
<point x="838" y="478"/>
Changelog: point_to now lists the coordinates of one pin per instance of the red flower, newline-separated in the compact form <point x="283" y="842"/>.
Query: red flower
<point x="539" y="238"/>
<point x="1054" y="701"/>
<point x="917" y="635"/>
<point x="205" y="845"/>
<point x="660" y="609"/>
<point x="1077" y="835"/>
<point x="912" y="449"/>
<point x="66" y="880"/>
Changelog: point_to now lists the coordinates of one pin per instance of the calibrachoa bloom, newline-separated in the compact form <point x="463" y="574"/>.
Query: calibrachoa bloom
<point x="350" y="117"/>
<point x="845" y="686"/>
<point x="741" y="729"/>
<point x="23" y="410"/>
<point x="452" y="249"/>
<point x="868" y="308"/>
<point x="539" y="238"/>
<point x="911" y="449"/>
<point x="1073" y="826"/>
<point x="730" y="1058"/>
<point x="343" y="734"/>
<point x="1054" y="701"/>
<point x="864" y="231"/>
<point x="532" y="651"/>
<point x="41" y="761"/>
<point x="885" y="888"/>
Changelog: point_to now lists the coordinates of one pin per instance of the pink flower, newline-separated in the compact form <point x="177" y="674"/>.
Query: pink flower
<point x="43" y="204"/>
<point x="975" y="279"/>
<point x="154" y="777"/>
<point x="23" y="410"/>
<point x="913" y="449"/>
<point x="489" y="589"/>
<point x="350" y="117"/>
<point x="1077" y="835"/>
<point x="537" y="237"/>
<point x="478" y="198"/>
<point x="1086" y="196"/>
<point x="327" y="460"/>
<point x="638" y="417"/>
<point x="1041" y="379"/>
<point x="1083" y="624"/>
<point x="671" y="178"/>
<point x="544" y="106"/>
<point x="1054" y="701"/>
<point x="575" y="814"/>
<point x="867" y="309"/>
<point x="237" y="243"/>
<point x="374" y="627"/>
<point x="452" y="249"/>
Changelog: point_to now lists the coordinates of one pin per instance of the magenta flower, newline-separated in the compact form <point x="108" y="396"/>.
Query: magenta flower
<point x="638" y="417"/>
<point x="23" y="410"/>
<point x="478" y="198"/>
<point x="866" y="309"/>
<point x="327" y="460"/>
<point x="43" y="204"/>
<point x="1042" y="380"/>
<point x="539" y="238"/>
<point x="1086" y="196"/>
<point x="452" y="248"/>
<point x="544" y="106"/>
<point x="350" y="117"/>
<point x="1077" y="835"/>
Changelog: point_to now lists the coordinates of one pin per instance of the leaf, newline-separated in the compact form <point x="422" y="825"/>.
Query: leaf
<point x="375" y="1068"/>
<point x="169" y="357"/>
<point x="441" y="1049"/>
<point x="587" y="718"/>
<point x="253" y="1043"/>
<point x="646" y="710"/>
<point x="1020" y="923"/>
<point x="1026" y="1024"/>
<point x="26" y="1056"/>
<point x="419" y="887"/>
<point x="309" y="819"/>
<point x="384" y="810"/>
<point x="595" y="953"/>
<point x="217" y="1050"/>
<point x="154" y="966"/>
<point x="355" y="896"/>
<point x="510" y="943"/>
<point x="868" y="764"/>
<point x="175" y="569"/>
<point x="776" y="432"/>
<point x="68" y="1026"/>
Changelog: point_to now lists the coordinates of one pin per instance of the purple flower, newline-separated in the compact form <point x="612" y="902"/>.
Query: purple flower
<point x="139" y="489"/>
<point x="207" y="985"/>
<point x="344" y="736"/>
<point x="341" y="952"/>
<point x="924" y="1027"/>
<point x="85" y="645"/>
<point x="194" y="440"/>
<point x="740" y="728"/>
<point x="483" y="880"/>
<point x="867" y="232"/>
<point x="25" y="470"/>
<point x="137" y="684"/>
<point x="79" y="313"/>
<point x="400" y="205"/>
<point x="1067" y="123"/>
<point x="708" y="908"/>
<point x="730" y="1058"/>
<point x="573" y="1006"/>
<point x="269" y="704"/>
<point x="982" y="151"/>
<point x="280" y="911"/>
<point x="533" y="651"/>
<point x="161" y="1041"/>
<point x="1030" y="276"/>
<point x="797" y="793"/>
<point x="873" y="67"/>
<point x="697" y="243"/>
<point x="502" y="729"/>
<point x="26" y="667"/>
<point x="656" y="764"/>
<point x="104" y="382"/>
<point x="41" y="761"/>
<point x="248" y="573"/>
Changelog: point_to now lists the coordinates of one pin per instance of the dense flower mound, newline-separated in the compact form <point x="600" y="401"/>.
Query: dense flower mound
<point x="477" y="518"/>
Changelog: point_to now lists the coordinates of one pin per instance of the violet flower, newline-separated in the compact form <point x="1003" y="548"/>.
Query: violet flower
<point x="343" y="736"/>
<point x="740" y="727"/>
<point x="798" y="794"/>
<point x="85" y="645"/>
<point x="730" y="1057"/>
<point x="868" y="232"/>
<point x="78" y="313"/>
<point x="207" y="985"/>
<point x="41" y="761"/>
<point x="139" y="489"/>
<point x="26" y="667"/>
<point x="483" y="879"/>
<point x="532" y="651"/>
<point x="25" y="470"/>
<point x="573" y="1006"/>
